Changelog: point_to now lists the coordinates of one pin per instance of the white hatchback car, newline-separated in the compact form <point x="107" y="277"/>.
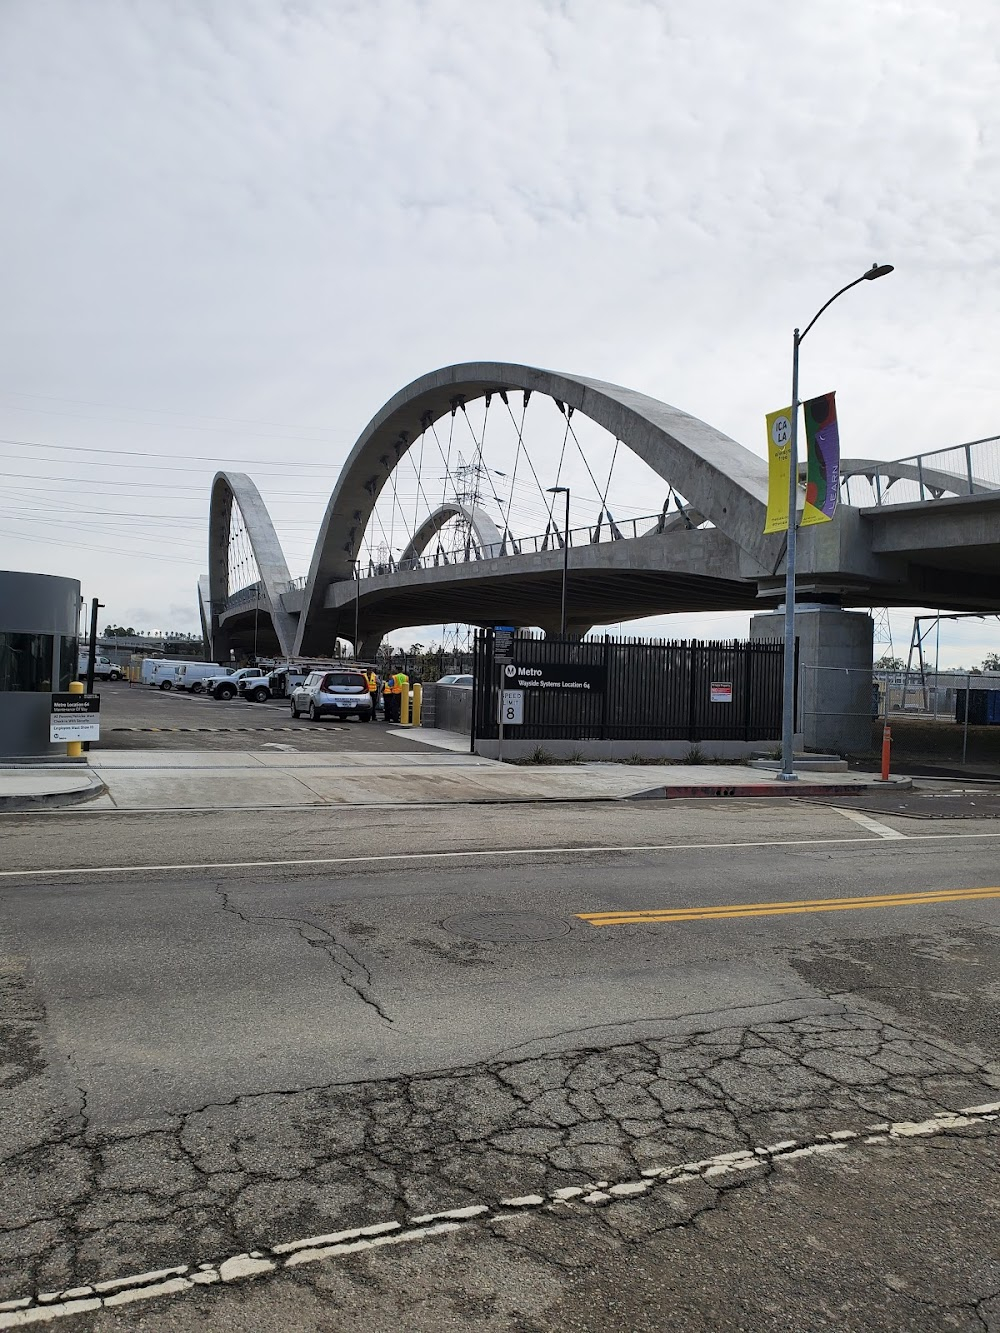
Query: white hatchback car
<point x="340" y="693"/>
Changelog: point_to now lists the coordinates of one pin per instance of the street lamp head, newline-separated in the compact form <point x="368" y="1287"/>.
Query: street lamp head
<point x="557" y="490"/>
<point x="877" y="271"/>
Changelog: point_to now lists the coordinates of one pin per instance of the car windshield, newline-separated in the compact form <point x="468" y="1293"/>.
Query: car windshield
<point x="346" y="681"/>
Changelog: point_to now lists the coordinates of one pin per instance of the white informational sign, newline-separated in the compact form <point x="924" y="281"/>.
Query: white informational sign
<point x="512" y="708"/>
<point x="75" y="717"/>
<point x="721" y="691"/>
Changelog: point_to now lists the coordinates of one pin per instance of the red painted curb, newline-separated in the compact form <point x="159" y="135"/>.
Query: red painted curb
<point x="754" y="789"/>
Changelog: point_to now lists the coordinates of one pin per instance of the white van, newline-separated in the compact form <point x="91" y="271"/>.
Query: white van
<point x="148" y="668"/>
<point x="163" y="673"/>
<point x="193" y="675"/>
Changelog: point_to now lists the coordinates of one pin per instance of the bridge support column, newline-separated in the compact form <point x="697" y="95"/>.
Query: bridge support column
<point x="575" y="629"/>
<point x="367" y="648"/>
<point x="834" y="711"/>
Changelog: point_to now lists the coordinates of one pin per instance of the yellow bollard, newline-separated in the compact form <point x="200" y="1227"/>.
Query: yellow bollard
<point x="404" y="707"/>
<point x="74" y="749"/>
<point x="418" y="698"/>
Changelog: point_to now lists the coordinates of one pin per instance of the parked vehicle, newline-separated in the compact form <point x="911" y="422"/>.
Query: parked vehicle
<point x="283" y="680"/>
<point x="104" y="668"/>
<point x="338" y="693"/>
<point x="227" y="686"/>
<point x="163" y="675"/>
<point x="193" y="675"/>
<point x="463" y="682"/>
<point x="148" y="668"/>
<point x="256" y="688"/>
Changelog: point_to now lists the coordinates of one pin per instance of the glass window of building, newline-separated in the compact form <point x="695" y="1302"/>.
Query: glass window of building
<point x="26" y="662"/>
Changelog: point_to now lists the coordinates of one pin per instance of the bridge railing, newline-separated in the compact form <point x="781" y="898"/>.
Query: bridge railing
<point x="606" y="529"/>
<point x="962" y="469"/>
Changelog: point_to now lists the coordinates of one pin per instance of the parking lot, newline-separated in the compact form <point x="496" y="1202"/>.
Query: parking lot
<point x="139" y="717"/>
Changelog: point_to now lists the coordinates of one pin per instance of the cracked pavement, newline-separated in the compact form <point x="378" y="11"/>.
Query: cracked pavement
<point x="193" y="1068"/>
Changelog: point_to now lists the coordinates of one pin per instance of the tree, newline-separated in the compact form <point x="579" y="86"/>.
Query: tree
<point x="887" y="663"/>
<point x="991" y="662"/>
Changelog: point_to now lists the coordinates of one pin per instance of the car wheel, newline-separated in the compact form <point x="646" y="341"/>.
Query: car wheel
<point x="114" y="676"/>
<point x="225" y="692"/>
<point x="313" y="714"/>
<point x="365" y="717"/>
<point x="166" y="684"/>
<point x="196" y="688"/>
<point x="260" y="694"/>
<point x="295" y="711"/>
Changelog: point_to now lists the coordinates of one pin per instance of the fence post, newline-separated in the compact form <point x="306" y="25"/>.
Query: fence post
<point x="968" y="464"/>
<point x="968" y="710"/>
<point x="604" y="697"/>
<point x="692" y="685"/>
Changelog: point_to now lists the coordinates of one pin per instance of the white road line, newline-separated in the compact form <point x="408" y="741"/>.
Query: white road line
<point x="44" y="1307"/>
<point x="866" y="821"/>
<point x="494" y="852"/>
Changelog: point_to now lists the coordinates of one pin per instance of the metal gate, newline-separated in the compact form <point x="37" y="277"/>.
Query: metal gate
<point x="631" y="689"/>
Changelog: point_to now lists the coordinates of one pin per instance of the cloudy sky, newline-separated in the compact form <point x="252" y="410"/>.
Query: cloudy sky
<point x="232" y="230"/>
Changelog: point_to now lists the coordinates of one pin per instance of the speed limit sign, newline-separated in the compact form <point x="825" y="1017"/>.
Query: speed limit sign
<point x="512" y="708"/>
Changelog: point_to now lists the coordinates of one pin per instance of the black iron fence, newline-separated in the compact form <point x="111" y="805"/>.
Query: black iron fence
<point x="630" y="689"/>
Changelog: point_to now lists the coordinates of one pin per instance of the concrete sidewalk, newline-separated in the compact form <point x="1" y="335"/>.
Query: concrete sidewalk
<point x="198" y="780"/>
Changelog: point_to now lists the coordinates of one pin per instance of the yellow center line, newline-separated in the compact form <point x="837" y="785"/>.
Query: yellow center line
<point x="668" y="915"/>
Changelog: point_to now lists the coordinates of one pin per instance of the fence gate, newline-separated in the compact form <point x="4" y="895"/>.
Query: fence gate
<point x="631" y="689"/>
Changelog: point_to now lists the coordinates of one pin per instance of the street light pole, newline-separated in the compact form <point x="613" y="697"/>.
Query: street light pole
<point x="787" y="773"/>
<point x="357" y="604"/>
<point x="563" y="490"/>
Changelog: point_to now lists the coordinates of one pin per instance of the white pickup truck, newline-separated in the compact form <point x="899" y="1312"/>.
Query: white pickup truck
<point x="104" y="669"/>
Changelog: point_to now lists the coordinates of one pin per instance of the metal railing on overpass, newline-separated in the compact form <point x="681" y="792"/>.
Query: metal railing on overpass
<point x="606" y="529"/>
<point x="962" y="469"/>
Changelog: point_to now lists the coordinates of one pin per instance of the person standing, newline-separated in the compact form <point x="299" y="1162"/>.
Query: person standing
<point x="372" y="681"/>
<point x="388" y="694"/>
<point x="402" y="683"/>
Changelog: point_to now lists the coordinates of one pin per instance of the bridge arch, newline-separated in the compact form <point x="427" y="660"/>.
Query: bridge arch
<point x="719" y="478"/>
<point x="485" y="531"/>
<point x="229" y="488"/>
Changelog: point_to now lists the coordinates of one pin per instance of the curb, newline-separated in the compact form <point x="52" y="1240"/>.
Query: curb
<point x="53" y="800"/>
<point x="752" y="789"/>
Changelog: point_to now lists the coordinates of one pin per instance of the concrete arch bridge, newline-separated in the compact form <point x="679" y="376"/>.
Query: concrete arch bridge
<point x="423" y="526"/>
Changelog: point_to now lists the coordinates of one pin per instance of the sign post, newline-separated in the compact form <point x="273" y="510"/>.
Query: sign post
<point x="503" y="654"/>
<point x="75" y="717"/>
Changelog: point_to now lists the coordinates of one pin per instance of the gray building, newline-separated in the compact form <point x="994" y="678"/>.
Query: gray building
<point x="39" y="617"/>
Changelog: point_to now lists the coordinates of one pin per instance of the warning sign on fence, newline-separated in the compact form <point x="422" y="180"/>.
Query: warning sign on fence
<point x="721" y="692"/>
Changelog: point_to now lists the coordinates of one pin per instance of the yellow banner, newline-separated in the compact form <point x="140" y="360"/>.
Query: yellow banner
<point x="779" y="458"/>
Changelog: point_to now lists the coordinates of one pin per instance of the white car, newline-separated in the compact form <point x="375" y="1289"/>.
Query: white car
<point x="339" y="693"/>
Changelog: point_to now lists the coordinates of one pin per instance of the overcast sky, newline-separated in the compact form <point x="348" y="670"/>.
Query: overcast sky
<point x="232" y="230"/>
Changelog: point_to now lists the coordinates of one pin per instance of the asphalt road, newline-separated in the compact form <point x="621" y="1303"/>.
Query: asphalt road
<point x="140" y="717"/>
<point x="452" y="1009"/>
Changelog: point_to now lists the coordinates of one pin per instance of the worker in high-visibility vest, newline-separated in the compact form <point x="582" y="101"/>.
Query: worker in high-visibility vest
<point x="372" y="681"/>
<point x="400" y="682"/>
<point x="387" y="694"/>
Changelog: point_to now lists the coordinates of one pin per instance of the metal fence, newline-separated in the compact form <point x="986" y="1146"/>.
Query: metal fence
<point x="631" y="689"/>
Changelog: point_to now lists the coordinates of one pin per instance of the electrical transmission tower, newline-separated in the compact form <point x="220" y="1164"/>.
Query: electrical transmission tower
<point x="468" y="481"/>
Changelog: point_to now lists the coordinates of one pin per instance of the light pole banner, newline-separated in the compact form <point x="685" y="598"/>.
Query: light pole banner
<point x="779" y="460"/>
<point x="823" y="466"/>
